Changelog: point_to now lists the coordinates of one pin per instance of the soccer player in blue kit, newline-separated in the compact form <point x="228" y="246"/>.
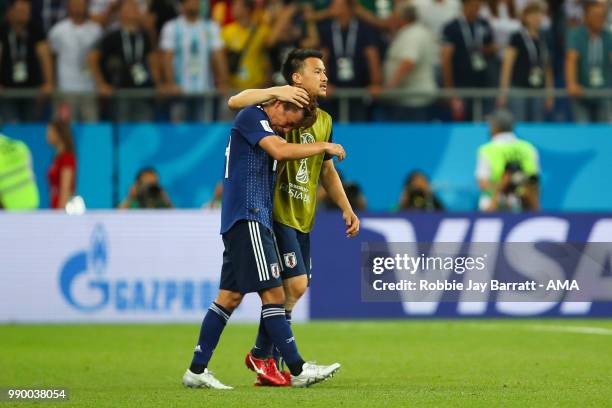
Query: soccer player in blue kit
<point x="250" y="258"/>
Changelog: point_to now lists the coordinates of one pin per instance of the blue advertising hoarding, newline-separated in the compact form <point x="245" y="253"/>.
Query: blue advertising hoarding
<point x="336" y="286"/>
<point x="574" y="160"/>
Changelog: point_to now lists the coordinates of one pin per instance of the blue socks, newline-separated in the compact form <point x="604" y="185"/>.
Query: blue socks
<point x="279" y="331"/>
<point x="276" y="355"/>
<point x="264" y="348"/>
<point x="263" y="342"/>
<point x="210" y="332"/>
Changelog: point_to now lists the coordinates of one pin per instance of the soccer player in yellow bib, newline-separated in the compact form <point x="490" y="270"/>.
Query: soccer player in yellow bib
<point x="296" y="190"/>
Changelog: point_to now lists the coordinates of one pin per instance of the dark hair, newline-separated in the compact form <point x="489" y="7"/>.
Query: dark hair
<point x="64" y="132"/>
<point x="310" y="112"/>
<point x="144" y="171"/>
<point x="295" y="62"/>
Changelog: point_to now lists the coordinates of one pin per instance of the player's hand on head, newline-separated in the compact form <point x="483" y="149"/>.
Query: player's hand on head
<point x="335" y="149"/>
<point x="293" y="94"/>
<point x="352" y="223"/>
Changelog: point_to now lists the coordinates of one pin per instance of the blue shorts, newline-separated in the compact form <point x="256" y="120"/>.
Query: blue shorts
<point x="294" y="248"/>
<point x="250" y="259"/>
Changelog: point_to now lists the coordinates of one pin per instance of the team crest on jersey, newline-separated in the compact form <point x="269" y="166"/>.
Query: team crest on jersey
<point x="275" y="270"/>
<point x="290" y="259"/>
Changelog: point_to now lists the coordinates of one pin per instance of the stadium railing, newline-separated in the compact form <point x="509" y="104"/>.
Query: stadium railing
<point x="478" y="97"/>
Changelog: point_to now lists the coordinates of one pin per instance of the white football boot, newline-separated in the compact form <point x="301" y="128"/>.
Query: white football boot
<point x="312" y="374"/>
<point x="204" y="380"/>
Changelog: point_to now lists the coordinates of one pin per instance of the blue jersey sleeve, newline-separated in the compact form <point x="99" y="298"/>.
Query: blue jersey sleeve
<point x="253" y="124"/>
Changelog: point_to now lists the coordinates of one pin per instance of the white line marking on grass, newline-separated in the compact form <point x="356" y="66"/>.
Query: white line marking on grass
<point x="573" y="329"/>
<point x="542" y="327"/>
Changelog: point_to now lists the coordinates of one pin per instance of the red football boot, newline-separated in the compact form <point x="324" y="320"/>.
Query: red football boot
<point x="267" y="373"/>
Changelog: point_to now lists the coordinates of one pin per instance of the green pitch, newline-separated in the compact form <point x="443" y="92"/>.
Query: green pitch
<point x="432" y="363"/>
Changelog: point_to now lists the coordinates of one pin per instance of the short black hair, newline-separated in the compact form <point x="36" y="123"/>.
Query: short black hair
<point x="295" y="62"/>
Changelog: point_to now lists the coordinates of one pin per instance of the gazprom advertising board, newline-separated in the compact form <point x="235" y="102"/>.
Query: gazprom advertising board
<point x="134" y="266"/>
<point x="163" y="266"/>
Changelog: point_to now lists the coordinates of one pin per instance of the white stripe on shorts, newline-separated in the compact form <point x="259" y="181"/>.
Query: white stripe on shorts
<point x="255" y="251"/>
<point x="266" y="273"/>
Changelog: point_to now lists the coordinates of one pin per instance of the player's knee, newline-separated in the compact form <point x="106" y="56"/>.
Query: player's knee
<point x="273" y="296"/>
<point x="229" y="300"/>
<point x="296" y="287"/>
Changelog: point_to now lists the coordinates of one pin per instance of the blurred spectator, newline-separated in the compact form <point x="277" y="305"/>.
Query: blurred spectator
<point x="292" y="27"/>
<point x="355" y="196"/>
<point x="467" y="51"/>
<point x="409" y="66"/>
<point x="353" y="193"/>
<point x="508" y="169"/>
<point x="192" y="51"/>
<point x="25" y="62"/>
<point x="162" y="11"/>
<point x="246" y="41"/>
<point x="527" y="64"/>
<point x="588" y="64"/>
<point x="417" y="194"/>
<point x="45" y="13"/>
<point x="221" y="11"/>
<point x="350" y="51"/>
<point x="435" y="14"/>
<point x="574" y="12"/>
<point x="71" y="39"/>
<point x="377" y="13"/>
<point x="503" y="17"/>
<point x="124" y="58"/>
<point x="18" y="189"/>
<point x="62" y="173"/>
<point x="146" y="192"/>
<point x="106" y="12"/>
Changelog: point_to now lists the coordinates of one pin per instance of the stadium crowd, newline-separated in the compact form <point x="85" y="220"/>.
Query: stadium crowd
<point x="73" y="56"/>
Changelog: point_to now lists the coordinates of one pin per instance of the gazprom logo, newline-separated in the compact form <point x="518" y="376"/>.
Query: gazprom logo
<point x="86" y="268"/>
<point x="88" y="286"/>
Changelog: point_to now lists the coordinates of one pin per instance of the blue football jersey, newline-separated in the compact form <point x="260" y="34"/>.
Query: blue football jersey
<point x="250" y="173"/>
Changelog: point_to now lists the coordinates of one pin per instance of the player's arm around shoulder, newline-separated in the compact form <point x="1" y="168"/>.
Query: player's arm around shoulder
<point x="286" y="93"/>
<point x="279" y="149"/>
<point x="331" y="182"/>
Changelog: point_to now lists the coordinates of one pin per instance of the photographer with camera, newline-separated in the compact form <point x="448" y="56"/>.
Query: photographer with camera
<point x="417" y="194"/>
<point x="507" y="169"/>
<point x="146" y="192"/>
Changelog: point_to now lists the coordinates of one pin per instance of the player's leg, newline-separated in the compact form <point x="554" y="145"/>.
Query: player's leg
<point x="257" y="270"/>
<point x="275" y="323"/>
<point x="216" y="318"/>
<point x="213" y="324"/>
<point x="303" y="374"/>
<point x="285" y="242"/>
<point x="296" y="279"/>
<point x="294" y="249"/>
